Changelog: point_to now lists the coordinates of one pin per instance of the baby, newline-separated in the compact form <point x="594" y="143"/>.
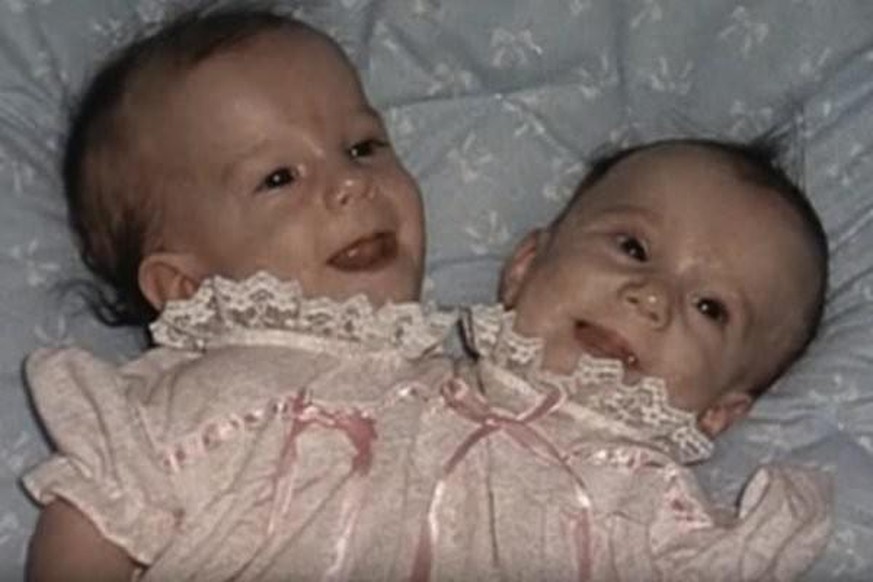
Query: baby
<point x="696" y="262"/>
<point x="680" y="282"/>
<point x="233" y="154"/>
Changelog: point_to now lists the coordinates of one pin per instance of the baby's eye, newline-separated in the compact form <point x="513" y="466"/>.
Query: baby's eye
<point x="632" y="247"/>
<point x="367" y="148"/>
<point x="278" y="178"/>
<point x="712" y="309"/>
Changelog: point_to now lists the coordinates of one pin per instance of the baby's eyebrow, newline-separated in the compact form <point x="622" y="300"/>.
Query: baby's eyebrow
<point x="370" y="115"/>
<point x="371" y="112"/>
<point x="232" y="168"/>
<point x="621" y="210"/>
<point x="746" y="315"/>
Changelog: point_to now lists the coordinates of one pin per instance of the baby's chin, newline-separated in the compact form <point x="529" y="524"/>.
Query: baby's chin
<point x="566" y="362"/>
<point x="399" y="285"/>
<point x="379" y="290"/>
<point x="392" y="294"/>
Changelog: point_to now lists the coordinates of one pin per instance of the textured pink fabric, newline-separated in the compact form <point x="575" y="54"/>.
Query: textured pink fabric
<point x="268" y="454"/>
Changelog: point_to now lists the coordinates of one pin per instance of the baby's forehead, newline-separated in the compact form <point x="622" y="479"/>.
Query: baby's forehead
<point x="676" y="161"/>
<point x="264" y="61"/>
<point x="161" y="74"/>
<point x="688" y="182"/>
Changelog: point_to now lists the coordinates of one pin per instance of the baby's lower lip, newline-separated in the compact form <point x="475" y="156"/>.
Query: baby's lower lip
<point x="368" y="253"/>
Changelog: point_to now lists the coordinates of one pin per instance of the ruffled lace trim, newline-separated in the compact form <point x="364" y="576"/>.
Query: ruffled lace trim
<point x="596" y="383"/>
<point x="224" y="311"/>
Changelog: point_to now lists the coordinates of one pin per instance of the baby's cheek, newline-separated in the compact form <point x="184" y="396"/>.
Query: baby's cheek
<point x="689" y="386"/>
<point x="561" y="353"/>
<point x="562" y="360"/>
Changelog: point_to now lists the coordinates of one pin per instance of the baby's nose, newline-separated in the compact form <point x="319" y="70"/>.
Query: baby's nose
<point x="650" y="300"/>
<point x="350" y="185"/>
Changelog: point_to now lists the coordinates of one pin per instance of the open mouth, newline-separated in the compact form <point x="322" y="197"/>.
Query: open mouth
<point x="603" y="343"/>
<point x="367" y="253"/>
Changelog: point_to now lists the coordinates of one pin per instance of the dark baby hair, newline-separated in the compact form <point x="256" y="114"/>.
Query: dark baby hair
<point x="758" y="162"/>
<point x="109" y="212"/>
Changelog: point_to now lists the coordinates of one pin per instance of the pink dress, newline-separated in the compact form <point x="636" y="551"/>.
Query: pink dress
<point x="632" y="508"/>
<point x="272" y="437"/>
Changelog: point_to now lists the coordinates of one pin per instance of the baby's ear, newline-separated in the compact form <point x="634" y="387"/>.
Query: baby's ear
<point x="516" y="268"/>
<point x="729" y="408"/>
<point x="167" y="277"/>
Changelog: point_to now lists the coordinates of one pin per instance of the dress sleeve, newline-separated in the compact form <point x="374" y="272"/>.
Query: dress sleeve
<point x="103" y="463"/>
<point x="781" y="525"/>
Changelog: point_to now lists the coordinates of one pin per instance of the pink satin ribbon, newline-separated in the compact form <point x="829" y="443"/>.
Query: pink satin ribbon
<point x="470" y="405"/>
<point x="360" y="431"/>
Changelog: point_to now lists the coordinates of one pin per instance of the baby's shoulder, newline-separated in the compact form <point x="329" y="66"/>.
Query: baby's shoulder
<point x="58" y="373"/>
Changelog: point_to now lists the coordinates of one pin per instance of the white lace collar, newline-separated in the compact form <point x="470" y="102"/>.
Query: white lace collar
<point x="224" y="311"/>
<point x="596" y="383"/>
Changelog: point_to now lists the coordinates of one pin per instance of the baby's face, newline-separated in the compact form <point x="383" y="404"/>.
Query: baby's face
<point x="274" y="160"/>
<point x="675" y="265"/>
